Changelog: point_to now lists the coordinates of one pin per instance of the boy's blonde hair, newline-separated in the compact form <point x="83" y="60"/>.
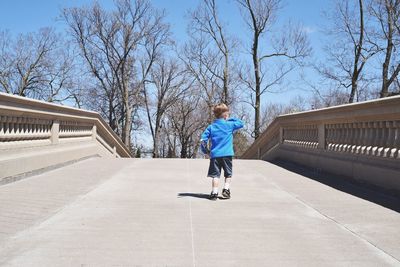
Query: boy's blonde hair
<point x="219" y="110"/>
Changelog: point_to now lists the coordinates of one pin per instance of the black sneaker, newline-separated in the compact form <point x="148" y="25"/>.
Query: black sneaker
<point x="226" y="193"/>
<point x="213" y="196"/>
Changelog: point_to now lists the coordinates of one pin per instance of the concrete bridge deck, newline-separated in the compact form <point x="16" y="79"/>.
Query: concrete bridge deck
<point x="127" y="212"/>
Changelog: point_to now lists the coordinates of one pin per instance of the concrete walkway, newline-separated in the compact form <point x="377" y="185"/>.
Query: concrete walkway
<point x="126" y="212"/>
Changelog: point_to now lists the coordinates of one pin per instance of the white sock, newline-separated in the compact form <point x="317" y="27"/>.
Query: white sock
<point x="227" y="183"/>
<point x="215" y="190"/>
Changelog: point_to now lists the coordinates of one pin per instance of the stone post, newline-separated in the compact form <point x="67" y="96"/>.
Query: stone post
<point x="94" y="132"/>
<point x="321" y="136"/>
<point x="55" y="132"/>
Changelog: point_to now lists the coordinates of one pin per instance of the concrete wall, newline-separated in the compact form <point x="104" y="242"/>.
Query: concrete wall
<point x="359" y="141"/>
<point x="36" y="135"/>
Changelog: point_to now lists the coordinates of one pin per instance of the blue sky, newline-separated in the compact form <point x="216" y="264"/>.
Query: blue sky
<point x="20" y="16"/>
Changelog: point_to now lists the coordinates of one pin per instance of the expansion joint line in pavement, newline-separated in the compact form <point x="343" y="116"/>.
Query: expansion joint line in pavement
<point x="344" y="227"/>
<point x="190" y="212"/>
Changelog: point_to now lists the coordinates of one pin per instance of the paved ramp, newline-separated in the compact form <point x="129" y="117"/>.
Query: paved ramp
<point x="126" y="212"/>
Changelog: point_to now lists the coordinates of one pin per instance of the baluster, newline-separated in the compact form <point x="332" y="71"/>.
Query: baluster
<point x="305" y="139"/>
<point x="349" y="132"/>
<point x="306" y="135"/>
<point x="353" y="141"/>
<point x="356" y="141"/>
<point x="369" y="138"/>
<point x="389" y="140"/>
<point x="314" y="137"/>
<point x="1" y="129"/>
<point x="331" y="133"/>
<point x="12" y="129"/>
<point x="17" y="126"/>
<point x="360" y="134"/>
<point x="283" y="133"/>
<point x="328" y="137"/>
<point x="23" y="128"/>
<point x="396" y="149"/>
<point x="292" y="134"/>
<point x="347" y="138"/>
<point x="299" y="135"/>
<point x="7" y="129"/>
<point x="342" y="136"/>
<point x="336" y="137"/>
<point x="381" y="138"/>
<point x="374" y="139"/>
<point x="42" y="132"/>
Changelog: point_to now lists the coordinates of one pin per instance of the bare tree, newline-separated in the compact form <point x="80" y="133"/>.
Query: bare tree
<point x="205" y="19"/>
<point x="387" y="13"/>
<point x="170" y="84"/>
<point x="273" y="110"/>
<point x="188" y="119"/>
<point x="350" y="47"/>
<point x="260" y="15"/>
<point x="27" y="57"/>
<point x="110" y="42"/>
<point x="38" y="65"/>
<point x="202" y="64"/>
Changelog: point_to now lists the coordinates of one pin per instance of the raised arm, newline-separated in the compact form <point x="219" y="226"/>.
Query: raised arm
<point x="236" y="123"/>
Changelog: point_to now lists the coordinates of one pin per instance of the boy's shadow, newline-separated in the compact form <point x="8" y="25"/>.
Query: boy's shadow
<point x="195" y="195"/>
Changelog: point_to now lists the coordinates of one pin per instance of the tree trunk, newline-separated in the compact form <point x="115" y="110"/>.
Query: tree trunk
<point x="226" y="77"/>
<point x="358" y="48"/>
<point x="389" y="48"/>
<point x="111" y="120"/>
<point x="126" y="132"/>
<point x="258" y="87"/>
<point x="353" y="89"/>
<point x="156" y="143"/>
<point x="184" y="150"/>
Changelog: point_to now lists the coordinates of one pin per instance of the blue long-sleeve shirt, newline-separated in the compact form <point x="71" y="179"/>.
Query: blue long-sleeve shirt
<point x="220" y="132"/>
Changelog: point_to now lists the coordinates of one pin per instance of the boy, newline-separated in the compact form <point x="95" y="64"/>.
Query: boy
<point x="221" y="134"/>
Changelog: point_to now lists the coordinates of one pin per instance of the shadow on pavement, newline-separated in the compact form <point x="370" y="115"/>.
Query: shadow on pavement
<point x="195" y="195"/>
<point x="369" y="193"/>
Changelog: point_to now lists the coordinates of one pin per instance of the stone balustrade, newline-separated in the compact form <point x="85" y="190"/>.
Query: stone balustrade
<point x="70" y="129"/>
<point x="377" y="138"/>
<point x="13" y="128"/>
<point x="303" y="136"/>
<point x="359" y="140"/>
<point x="31" y="130"/>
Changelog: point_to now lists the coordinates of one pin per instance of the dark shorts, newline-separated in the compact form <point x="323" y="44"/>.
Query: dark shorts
<point x="214" y="170"/>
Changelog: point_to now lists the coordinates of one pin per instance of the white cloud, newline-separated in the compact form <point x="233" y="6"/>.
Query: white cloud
<point x="309" y="29"/>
